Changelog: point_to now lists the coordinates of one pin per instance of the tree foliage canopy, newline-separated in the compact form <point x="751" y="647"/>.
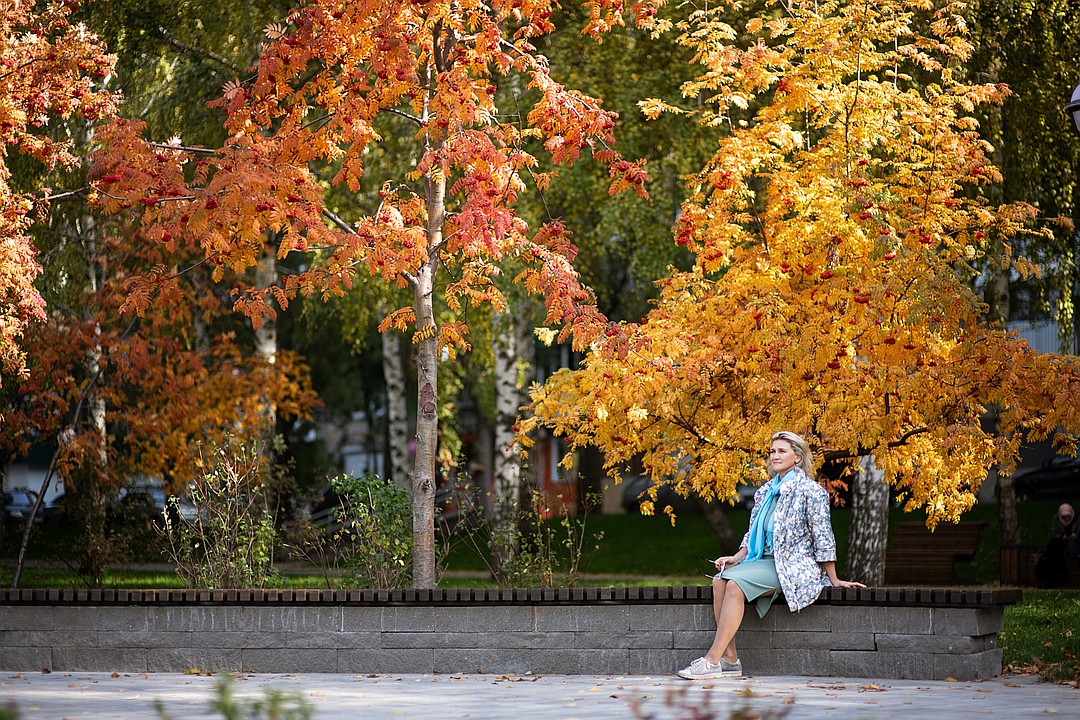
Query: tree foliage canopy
<point x="836" y="230"/>
<point x="48" y="67"/>
<point x="324" y="76"/>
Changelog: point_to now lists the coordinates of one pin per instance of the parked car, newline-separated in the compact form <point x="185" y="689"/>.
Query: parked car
<point x="19" y="503"/>
<point x="1056" y="479"/>
<point x="58" y="510"/>
<point x="147" y="503"/>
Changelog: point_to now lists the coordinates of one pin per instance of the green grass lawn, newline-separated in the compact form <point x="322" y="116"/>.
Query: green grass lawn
<point x="1042" y="635"/>
<point x="632" y="546"/>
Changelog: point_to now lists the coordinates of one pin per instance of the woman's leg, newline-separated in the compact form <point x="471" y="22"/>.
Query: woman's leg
<point x="728" y="605"/>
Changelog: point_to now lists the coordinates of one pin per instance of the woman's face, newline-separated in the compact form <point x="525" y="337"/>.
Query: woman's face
<point x="781" y="457"/>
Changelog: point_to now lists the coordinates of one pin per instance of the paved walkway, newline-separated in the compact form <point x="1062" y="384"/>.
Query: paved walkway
<point x="60" y="695"/>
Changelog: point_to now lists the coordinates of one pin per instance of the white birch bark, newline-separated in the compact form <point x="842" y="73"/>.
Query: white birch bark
<point x="396" y="409"/>
<point x="266" y="338"/>
<point x="506" y="476"/>
<point x="869" y="525"/>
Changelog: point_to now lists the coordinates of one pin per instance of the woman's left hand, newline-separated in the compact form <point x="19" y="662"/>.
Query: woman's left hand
<point x="847" y="584"/>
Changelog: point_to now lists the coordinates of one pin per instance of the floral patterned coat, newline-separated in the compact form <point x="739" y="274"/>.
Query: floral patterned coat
<point x="802" y="538"/>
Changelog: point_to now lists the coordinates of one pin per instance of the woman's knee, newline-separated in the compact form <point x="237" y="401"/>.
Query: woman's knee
<point x="734" y="594"/>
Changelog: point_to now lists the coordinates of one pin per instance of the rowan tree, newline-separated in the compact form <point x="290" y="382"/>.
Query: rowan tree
<point x="48" y="70"/>
<point x="119" y="397"/>
<point x="836" y="230"/>
<point x="304" y="120"/>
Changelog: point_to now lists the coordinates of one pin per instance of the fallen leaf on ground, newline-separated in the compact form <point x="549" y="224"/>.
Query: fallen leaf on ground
<point x="747" y="692"/>
<point x="871" y="687"/>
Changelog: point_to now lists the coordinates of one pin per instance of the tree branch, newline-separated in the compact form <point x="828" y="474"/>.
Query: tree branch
<point x="404" y="114"/>
<point x="180" y="45"/>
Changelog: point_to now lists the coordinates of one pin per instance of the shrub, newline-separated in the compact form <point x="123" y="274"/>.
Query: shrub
<point x="545" y="553"/>
<point x="229" y="542"/>
<point x="375" y="539"/>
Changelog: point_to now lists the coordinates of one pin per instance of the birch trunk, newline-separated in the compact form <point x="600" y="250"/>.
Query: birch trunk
<point x="94" y="555"/>
<point x="506" y="478"/>
<point x="266" y="339"/>
<point x="397" y="425"/>
<point x="869" y="525"/>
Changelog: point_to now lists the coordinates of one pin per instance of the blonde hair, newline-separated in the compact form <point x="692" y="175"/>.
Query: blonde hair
<point x="800" y="447"/>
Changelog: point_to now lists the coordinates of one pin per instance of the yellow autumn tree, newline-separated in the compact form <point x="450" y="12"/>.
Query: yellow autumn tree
<point x="837" y="230"/>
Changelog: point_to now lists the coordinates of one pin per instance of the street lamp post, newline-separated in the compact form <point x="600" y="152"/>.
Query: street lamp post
<point x="1072" y="108"/>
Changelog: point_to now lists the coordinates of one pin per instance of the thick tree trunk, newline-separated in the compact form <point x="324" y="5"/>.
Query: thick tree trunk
<point x="869" y="525"/>
<point x="397" y="425"/>
<point x="506" y="480"/>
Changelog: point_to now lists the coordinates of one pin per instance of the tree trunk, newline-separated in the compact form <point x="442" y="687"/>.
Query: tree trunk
<point x="91" y="555"/>
<point x="997" y="299"/>
<point x="397" y="426"/>
<point x="266" y="338"/>
<point x="1008" y="523"/>
<point x="869" y="525"/>
<point x="423" y="476"/>
<point x="506" y="480"/>
<point x="427" y="379"/>
<point x="721" y="526"/>
<point x="94" y="556"/>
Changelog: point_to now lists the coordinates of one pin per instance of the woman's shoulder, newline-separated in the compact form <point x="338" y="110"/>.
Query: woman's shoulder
<point x="809" y="486"/>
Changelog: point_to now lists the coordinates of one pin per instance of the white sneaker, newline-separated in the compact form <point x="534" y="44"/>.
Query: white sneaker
<point x="702" y="669"/>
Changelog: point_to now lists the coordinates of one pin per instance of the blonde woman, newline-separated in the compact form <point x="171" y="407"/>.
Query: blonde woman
<point x="788" y="549"/>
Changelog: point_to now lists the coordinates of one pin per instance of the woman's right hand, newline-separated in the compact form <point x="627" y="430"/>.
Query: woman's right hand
<point x="726" y="561"/>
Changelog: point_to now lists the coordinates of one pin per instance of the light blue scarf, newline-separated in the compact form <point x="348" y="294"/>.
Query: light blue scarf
<point x="761" y="531"/>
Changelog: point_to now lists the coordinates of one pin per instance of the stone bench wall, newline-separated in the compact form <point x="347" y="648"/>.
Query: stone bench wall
<point x="920" y="634"/>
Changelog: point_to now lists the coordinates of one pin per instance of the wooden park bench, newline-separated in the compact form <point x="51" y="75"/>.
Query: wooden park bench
<point x="920" y="557"/>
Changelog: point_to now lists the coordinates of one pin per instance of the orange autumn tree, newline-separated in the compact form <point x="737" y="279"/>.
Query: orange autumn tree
<point x="48" y="67"/>
<point x="304" y="119"/>
<point x="174" y="378"/>
<point x="837" y="229"/>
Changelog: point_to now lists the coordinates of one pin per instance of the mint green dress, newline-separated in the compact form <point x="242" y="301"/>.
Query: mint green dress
<point x="758" y="577"/>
